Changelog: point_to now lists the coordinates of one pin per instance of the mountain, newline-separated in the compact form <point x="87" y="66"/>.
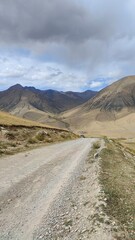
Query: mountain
<point x="81" y="96"/>
<point x="41" y="105"/>
<point x="46" y="101"/>
<point x="117" y="96"/>
<point x="111" y="112"/>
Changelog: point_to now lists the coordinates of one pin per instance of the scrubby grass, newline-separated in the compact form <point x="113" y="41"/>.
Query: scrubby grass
<point x="18" y="134"/>
<point x="32" y="140"/>
<point x="96" y="145"/>
<point x="9" y="120"/>
<point x="68" y="223"/>
<point x="128" y="145"/>
<point x="14" y="139"/>
<point x="118" y="182"/>
<point x="40" y="137"/>
<point x="82" y="178"/>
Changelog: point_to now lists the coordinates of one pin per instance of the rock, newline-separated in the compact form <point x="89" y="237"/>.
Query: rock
<point x="42" y="132"/>
<point x="3" y="131"/>
<point x="40" y="237"/>
<point x="83" y="231"/>
<point x="2" y="128"/>
<point x="96" y="155"/>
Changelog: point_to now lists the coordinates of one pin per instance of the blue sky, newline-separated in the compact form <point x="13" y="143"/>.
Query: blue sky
<point x="66" y="45"/>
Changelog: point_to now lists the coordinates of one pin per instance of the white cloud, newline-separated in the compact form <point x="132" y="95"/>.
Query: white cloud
<point x="43" y="75"/>
<point x="95" y="84"/>
<point x="86" y="44"/>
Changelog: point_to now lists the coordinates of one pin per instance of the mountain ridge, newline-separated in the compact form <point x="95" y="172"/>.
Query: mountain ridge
<point x="44" y="100"/>
<point x="117" y="96"/>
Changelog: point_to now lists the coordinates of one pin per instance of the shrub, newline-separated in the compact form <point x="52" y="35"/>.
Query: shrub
<point x="96" y="145"/>
<point x="32" y="140"/>
<point x="10" y="136"/>
<point x="41" y="136"/>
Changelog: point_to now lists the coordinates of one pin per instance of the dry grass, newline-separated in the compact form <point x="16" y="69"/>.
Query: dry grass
<point x="96" y="145"/>
<point x="7" y="119"/>
<point x="17" y="134"/>
<point x="15" y="138"/>
<point x="117" y="180"/>
<point x="127" y="144"/>
<point x="97" y="123"/>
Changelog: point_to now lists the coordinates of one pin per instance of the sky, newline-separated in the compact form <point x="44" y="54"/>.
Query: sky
<point x="66" y="44"/>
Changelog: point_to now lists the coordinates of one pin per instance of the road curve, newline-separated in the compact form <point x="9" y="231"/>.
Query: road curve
<point x="30" y="181"/>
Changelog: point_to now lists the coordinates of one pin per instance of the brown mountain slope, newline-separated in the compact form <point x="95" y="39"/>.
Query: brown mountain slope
<point x="111" y="112"/>
<point x="117" y="96"/>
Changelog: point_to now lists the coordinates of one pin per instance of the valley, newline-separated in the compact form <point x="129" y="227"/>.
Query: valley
<point x="110" y="112"/>
<point x="71" y="175"/>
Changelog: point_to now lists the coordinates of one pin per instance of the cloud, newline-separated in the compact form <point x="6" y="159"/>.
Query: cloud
<point x="95" y="84"/>
<point x="90" y="39"/>
<point x="42" y="20"/>
<point x="43" y="75"/>
<point x="66" y="21"/>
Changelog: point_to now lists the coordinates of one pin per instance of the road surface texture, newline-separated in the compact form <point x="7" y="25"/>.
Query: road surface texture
<point x="43" y="191"/>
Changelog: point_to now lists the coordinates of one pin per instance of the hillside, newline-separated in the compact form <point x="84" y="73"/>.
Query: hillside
<point x="17" y="134"/>
<point x="116" y="97"/>
<point x="7" y="119"/>
<point x="111" y="112"/>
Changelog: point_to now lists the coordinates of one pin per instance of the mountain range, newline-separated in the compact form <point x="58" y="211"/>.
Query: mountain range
<point x="41" y="105"/>
<point x="45" y="100"/>
<point x="109" y="112"/>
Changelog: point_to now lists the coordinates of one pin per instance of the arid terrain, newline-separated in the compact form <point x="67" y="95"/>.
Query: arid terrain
<point x="110" y="113"/>
<point x="71" y="176"/>
<point x="41" y="105"/>
<point x="30" y="184"/>
<point x="67" y="120"/>
<point x="18" y="134"/>
<point x="70" y="190"/>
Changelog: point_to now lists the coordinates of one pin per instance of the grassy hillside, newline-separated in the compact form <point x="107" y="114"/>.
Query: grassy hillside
<point x="7" y="119"/>
<point x="117" y="179"/>
<point x="18" y="134"/>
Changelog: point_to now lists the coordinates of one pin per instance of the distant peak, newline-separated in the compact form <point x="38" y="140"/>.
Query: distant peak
<point x="87" y="91"/>
<point x="30" y="88"/>
<point x="16" y="86"/>
<point x="50" y="90"/>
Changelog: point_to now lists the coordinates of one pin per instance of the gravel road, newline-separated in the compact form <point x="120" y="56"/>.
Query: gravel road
<point x="32" y="182"/>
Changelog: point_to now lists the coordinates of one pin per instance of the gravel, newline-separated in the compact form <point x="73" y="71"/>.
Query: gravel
<point x="53" y="194"/>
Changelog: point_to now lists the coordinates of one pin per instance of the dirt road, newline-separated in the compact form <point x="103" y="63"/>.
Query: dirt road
<point x="30" y="183"/>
